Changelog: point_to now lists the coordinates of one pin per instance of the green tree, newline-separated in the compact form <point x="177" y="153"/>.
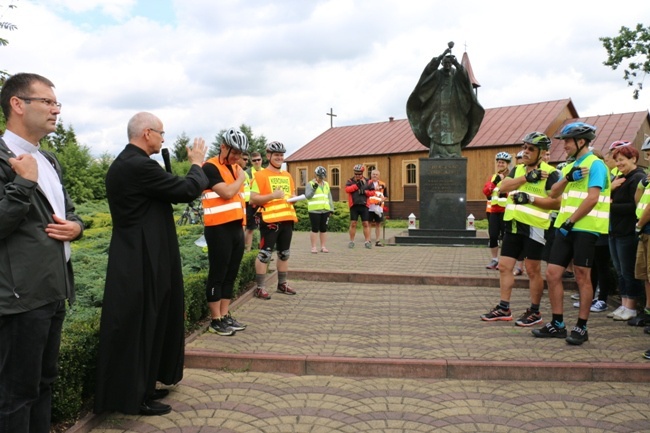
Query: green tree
<point x="83" y="176"/>
<point x="3" y="42"/>
<point x="255" y="144"/>
<point x="180" y="147"/>
<point x="632" y="45"/>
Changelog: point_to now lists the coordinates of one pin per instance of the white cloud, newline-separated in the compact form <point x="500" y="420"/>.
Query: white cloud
<point x="279" y="66"/>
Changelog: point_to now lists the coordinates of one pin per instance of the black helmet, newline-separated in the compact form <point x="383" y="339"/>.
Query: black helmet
<point x="537" y="139"/>
<point x="577" y="130"/>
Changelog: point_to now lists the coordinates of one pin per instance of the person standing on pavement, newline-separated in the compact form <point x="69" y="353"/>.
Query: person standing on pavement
<point x="320" y="207"/>
<point x="642" y="265"/>
<point x="271" y="189"/>
<point x="496" y="206"/>
<point x="623" y="240"/>
<point x="583" y="216"/>
<point x="359" y="189"/>
<point x="223" y="215"/>
<point x="37" y="224"/>
<point x="142" y="330"/>
<point x="377" y="201"/>
<point x="527" y="216"/>
<point x="251" y="211"/>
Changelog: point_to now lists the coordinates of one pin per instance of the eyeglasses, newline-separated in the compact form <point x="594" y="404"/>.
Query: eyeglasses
<point x="528" y="148"/>
<point x="50" y="103"/>
<point x="256" y="159"/>
<point x="245" y="159"/>
<point x="162" y="133"/>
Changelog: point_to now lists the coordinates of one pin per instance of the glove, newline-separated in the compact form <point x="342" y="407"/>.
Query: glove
<point x="314" y="185"/>
<point x="574" y="174"/>
<point x="533" y="176"/>
<point x="645" y="182"/>
<point x="566" y="227"/>
<point x="521" y="197"/>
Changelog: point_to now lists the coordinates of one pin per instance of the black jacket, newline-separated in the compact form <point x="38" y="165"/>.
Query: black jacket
<point x="622" y="211"/>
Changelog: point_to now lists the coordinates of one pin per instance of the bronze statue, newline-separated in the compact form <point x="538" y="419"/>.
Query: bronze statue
<point x="443" y="110"/>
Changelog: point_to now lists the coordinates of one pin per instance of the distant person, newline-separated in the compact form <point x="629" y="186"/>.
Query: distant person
<point x="376" y="205"/>
<point x="443" y="111"/>
<point x="359" y="190"/>
<point x="252" y="223"/>
<point x="642" y="264"/>
<point x="37" y="224"/>
<point x="224" y="209"/>
<point x="320" y="207"/>
<point x="496" y="206"/>
<point x="271" y="189"/>
<point x="527" y="216"/>
<point x="142" y="332"/>
<point x="583" y="215"/>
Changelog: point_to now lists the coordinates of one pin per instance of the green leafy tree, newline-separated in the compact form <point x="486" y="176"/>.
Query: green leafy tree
<point x="180" y="147"/>
<point x="3" y="42"/>
<point x="633" y="46"/>
<point x="83" y="176"/>
<point x="255" y="144"/>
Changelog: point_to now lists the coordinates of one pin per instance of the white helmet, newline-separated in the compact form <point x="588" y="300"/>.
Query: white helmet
<point x="275" y="147"/>
<point x="646" y="145"/>
<point x="520" y="154"/>
<point x="236" y="139"/>
<point x="503" y="156"/>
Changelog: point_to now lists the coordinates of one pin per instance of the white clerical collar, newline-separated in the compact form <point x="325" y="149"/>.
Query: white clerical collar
<point x="18" y="142"/>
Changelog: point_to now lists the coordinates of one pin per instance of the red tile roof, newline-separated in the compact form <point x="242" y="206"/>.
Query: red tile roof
<point x="501" y="126"/>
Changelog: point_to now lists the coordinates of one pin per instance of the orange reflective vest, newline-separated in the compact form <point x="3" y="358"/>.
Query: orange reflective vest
<point x="217" y="210"/>
<point x="276" y="210"/>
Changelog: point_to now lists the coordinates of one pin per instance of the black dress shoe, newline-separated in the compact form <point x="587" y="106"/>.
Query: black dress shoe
<point x="152" y="408"/>
<point x="158" y="394"/>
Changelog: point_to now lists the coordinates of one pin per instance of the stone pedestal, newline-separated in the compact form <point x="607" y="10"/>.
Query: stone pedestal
<point x="443" y="197"/>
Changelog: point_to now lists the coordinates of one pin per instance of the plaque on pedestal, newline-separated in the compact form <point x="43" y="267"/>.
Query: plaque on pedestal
<point x="443" y="190"/>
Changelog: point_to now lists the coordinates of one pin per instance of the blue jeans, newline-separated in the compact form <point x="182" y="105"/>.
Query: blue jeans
<point x="29" y="348"/>
<point x="623" y="252"/>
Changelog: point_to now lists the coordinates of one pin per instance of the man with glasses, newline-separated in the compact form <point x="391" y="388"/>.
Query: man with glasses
<point x="37" y="224"/>
<point x="527" y="216"/>
<point x="251" y="217"/>
<point x="142" y="332"/>
<point x="359" y="189"/>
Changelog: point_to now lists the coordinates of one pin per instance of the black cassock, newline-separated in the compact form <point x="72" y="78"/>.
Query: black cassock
<point x="142" y="325"/>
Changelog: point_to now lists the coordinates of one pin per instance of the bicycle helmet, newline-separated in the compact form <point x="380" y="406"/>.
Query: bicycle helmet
<point x="646" y="145"/>
<point x="320" y="172"/>
<point x="275" y="147"/>
<point x="618" y="143"/>
<point x="236" y="139"/>
<point x="503" y="156"/>
<point x="577" y="130"/>
<point x="520" y="154"/>
<point x="359" y="168"/>
<point x="537" y="139"/>
<point x="561" y="165"/>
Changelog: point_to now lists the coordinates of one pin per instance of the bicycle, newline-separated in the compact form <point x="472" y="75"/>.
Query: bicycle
<point x="192" y="214"/>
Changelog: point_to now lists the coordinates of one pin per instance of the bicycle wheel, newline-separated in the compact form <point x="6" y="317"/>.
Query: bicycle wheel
<point x="183" y="219"/>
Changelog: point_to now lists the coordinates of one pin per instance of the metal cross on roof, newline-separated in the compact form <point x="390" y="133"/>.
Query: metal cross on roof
<point x="332" y="116"/>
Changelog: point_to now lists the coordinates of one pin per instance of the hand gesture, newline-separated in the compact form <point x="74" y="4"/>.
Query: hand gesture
<point x="25" y="166"/>
<point x="63" y="230"/>
<point x="278" y="193"/>
<point x="196" y="153"/>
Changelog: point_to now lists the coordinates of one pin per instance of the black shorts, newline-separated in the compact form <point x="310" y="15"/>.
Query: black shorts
<point x="374" y="218"/>
<point x="577" y="246"/>
<point x="276" y="236"/>
<point x="251" y="218"/>
<point x="521" y="247"/>
<point x="359" y="210"/>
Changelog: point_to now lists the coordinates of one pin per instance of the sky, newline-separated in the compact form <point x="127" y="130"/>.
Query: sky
<point x="279" y="66"/>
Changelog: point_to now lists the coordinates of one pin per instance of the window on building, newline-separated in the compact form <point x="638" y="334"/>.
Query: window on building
<point x="411" y="173"/>
<point x="370" y="168"/>
<point x="302" y="176"/>
<point x="335" y="176"/>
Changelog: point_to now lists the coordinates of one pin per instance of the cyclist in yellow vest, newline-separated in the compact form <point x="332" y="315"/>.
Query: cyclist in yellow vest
<point x="583" y="215"/>
<point x="320" y="207"/>
<point x="496" y="206"/>
<point x="642" y="266"/>
<point x="223" y="216"/>
<point x="527" y="216"/>
<point x="270" y="190"/>
<point x="252" y="222"/>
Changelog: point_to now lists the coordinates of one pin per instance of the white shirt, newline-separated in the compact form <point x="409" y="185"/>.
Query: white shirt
<point x="48" y="179"/>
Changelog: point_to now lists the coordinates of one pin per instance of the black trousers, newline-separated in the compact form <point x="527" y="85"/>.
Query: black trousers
<point x="29" y="348"/>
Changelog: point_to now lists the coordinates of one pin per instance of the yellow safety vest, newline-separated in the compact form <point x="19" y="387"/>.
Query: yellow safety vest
<point x="643" y="201"/>
<point x="321" y="198"/>
<point x="597" y="220"/>
<point x="529" y="213"/>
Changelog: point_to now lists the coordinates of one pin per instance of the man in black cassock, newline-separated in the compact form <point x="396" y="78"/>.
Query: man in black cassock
<point x="142" y="326"/>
